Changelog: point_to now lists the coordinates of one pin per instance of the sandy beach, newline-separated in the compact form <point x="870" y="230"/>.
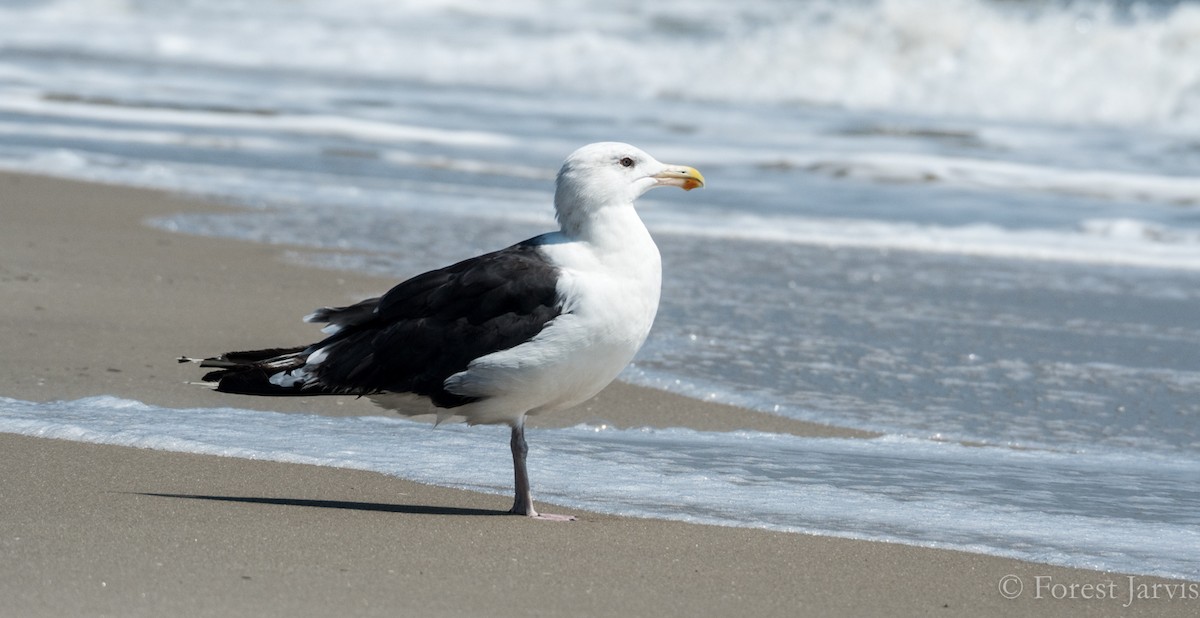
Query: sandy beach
<point x="97" y="302"/>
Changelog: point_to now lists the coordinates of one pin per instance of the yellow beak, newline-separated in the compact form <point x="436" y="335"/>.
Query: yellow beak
<point x="682" y="176"/>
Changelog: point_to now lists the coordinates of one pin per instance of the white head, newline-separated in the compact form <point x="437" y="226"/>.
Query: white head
<point x="612" y="174"/>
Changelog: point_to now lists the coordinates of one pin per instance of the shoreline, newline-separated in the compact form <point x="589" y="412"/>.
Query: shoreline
<point x="100" y="303"/>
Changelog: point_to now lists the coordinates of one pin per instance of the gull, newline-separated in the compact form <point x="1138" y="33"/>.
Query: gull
<point x="537" y="327"/>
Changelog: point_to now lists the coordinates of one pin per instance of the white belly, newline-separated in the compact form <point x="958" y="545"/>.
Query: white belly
<point x="613" y="299"/>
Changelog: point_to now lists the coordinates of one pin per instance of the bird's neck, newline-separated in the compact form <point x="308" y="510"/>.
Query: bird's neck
<point x="609" y="229"/>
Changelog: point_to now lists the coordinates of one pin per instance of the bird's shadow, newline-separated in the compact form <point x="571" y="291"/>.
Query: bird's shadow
<point x="410" y="509"/>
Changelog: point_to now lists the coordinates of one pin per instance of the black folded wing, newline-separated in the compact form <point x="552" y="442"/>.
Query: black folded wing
<point x="413" y="337"/>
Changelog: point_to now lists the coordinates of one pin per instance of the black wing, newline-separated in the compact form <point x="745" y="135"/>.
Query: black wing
<point x="417" y="334"/>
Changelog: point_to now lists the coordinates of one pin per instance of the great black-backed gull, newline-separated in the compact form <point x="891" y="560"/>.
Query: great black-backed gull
<point x="538" y="327"/>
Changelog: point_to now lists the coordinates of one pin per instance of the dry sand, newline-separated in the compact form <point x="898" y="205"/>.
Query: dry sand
<point x="92" y="301"/>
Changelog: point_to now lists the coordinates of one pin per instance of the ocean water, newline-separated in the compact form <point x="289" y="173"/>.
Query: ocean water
<point x="976" y="224"/>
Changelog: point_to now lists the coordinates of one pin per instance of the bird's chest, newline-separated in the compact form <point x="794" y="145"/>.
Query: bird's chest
<point x="614" y="300"/>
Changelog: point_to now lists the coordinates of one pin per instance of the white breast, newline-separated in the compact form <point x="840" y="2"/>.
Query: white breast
<point x="610" y="292"/>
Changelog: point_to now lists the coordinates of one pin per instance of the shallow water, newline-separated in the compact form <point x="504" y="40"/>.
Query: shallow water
<point x="1119" y="512"/>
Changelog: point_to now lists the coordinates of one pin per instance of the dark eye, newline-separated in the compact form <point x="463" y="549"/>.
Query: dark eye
<point x="627" y="162"/>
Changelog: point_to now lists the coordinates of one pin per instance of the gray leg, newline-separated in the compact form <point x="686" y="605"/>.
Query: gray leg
<point x="523" y="500"/>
